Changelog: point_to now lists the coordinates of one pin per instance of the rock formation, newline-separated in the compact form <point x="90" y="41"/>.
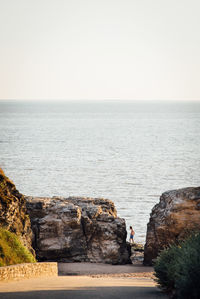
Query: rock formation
<point x="13" y="216"/>
<point x="175" y="217"/>
<point x="77" y="230"/>
<point x="137" y="253"/>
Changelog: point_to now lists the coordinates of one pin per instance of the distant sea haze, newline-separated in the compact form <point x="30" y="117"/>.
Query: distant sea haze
<point x="129" y="152"/>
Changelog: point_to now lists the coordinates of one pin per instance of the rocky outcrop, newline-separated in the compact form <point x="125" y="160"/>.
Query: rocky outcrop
<point x="137" y="253"/>
<point x="77" y="230"/>
<point x="13" y="216"/>
<point x="175" y="217"/>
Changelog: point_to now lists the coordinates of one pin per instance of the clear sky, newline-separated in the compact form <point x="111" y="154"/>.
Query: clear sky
<point x="100" y="49"/>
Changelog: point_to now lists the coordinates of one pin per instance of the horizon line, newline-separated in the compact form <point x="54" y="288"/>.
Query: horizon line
<point x="101" y="100"/>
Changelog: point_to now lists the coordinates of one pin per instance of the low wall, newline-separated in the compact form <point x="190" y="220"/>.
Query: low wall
<point x="32" y="270"/>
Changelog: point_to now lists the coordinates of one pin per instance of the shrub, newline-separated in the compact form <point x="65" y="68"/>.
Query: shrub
<point x="187" y="283"/>
<point x="12" y="251"/>
<point x="177" y="269"/>
<point x="165" y="268"/>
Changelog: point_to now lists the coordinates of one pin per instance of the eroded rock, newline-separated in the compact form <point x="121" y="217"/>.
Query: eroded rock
<point x="77" y="230"/>
<point x="137" y="253"/>
<point x="13" y="215"/>
<point x="175" y="217"/>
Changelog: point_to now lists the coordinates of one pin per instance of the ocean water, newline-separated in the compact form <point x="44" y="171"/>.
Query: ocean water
<point x="129" y="152"/>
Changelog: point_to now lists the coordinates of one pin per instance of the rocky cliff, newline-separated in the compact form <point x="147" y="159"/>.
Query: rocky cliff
<point x="77" y="229"/>
<point x="13" y="216"/>
<point x="172" y="219"/>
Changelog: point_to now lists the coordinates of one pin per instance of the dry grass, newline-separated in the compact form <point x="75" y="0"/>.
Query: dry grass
<point x="12" y="251"/>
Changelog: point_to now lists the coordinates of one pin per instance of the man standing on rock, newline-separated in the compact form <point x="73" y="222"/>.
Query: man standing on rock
<point x="132" y="233"/>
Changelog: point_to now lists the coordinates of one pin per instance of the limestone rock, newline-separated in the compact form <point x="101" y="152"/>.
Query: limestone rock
<point x="13" y="216"/>
<point x="137" y="253"/>
<point x="175" y="217"/>
<point x="77" y="230"/>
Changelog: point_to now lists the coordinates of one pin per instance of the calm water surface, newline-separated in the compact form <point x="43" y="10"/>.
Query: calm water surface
<point x="129" y="152"/>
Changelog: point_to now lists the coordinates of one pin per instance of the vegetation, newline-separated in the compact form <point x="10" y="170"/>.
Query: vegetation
<point x="12" y="251"/>
<point x="8" y="191"/>
<point x="177" y="269"/>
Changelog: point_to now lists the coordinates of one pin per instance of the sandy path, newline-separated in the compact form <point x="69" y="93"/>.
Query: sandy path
<point x="99" y="269"/>
<point x="83" y="287"/>
<point x="93" y="281"/>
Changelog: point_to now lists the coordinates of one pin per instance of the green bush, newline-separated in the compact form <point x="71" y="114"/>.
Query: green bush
<point x="177" y="269"/>
<point x="165" y="268"/>
<point x="12" y="251"/>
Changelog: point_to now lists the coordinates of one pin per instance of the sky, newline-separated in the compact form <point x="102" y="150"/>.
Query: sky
<point x="100" y="49"/>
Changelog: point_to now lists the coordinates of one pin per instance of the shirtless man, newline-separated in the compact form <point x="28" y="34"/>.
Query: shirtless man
<point x="132" y="233"/>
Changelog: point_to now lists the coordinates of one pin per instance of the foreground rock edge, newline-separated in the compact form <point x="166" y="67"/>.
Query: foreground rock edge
<point x="173" y="219"/>
<point x="14" y="217"/>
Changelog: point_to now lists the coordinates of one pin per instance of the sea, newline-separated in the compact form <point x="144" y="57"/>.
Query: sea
<point x="127" y="151"/>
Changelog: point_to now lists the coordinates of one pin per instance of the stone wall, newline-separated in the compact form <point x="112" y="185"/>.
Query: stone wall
<point x="24" y="271"/>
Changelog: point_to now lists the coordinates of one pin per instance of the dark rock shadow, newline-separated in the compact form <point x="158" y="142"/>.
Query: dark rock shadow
<point x="91" y="293"/>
